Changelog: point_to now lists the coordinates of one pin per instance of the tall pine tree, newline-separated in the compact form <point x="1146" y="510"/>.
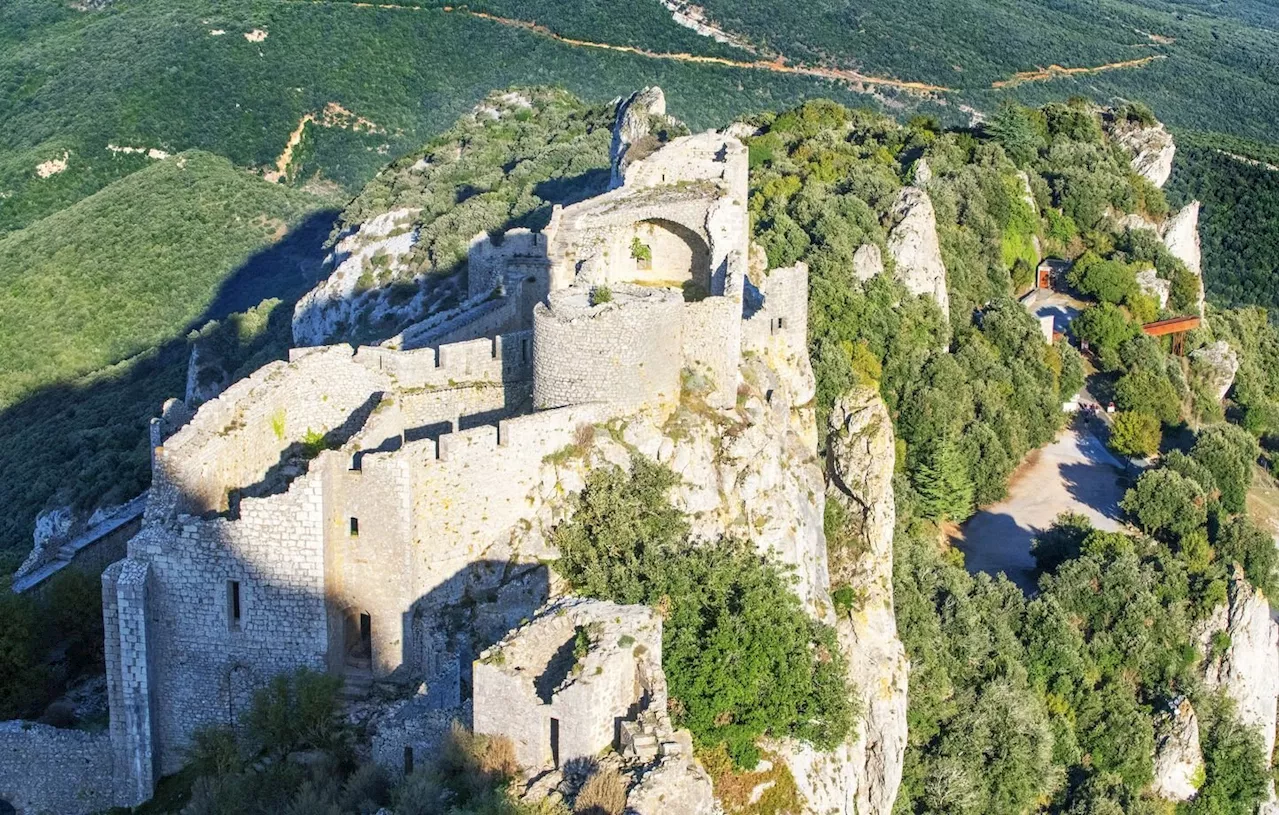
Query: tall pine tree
<point x="943" y="484"/>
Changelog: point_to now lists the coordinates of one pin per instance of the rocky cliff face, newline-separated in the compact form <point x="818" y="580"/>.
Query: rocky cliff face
<point x="1179" y="764"/>
<point x="1152" y="285"/>
<point x="860" y="461"/>
<point x="1182" y="238"/>
<point x="637" y="117"/>
<point x="1216" y="365"/>
<point x="359" y="266"/>
<point x="867" y="262"/>
<point x="913" y="244"/>
<point x="1151" y="148"/>
<point x="1248" y="669"/>
<point x="863" y="775"/>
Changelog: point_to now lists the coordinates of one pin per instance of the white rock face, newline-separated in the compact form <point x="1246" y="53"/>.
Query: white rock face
<point x="863" y="775"/>
<point x="860" y="461"/>
<point x="634" y="122"/>
<point x="867" y="262"/>
<point x="1151" y="284"/>
<point x="1182" y="238"/>
<point x="1152" y="149"/>
<point x="1218" y="364"/>
<point x="913" y="243"/>
<point x="677" y="784"/>
<point x="923" y="174"/>
<point x="1179" y="764"/>
<point x="377" y="248"/>
<point x="1247" y="671"/>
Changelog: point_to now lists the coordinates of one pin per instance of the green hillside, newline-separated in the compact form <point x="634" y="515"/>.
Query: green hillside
<point x="110" y="286"/>
<point x="1239" y="220"/>
<point x="134" y="265"/>
<point x="153" y="74"/>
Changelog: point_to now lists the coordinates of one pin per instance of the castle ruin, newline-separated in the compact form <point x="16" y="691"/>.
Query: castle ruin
<point x="368" y="512"/>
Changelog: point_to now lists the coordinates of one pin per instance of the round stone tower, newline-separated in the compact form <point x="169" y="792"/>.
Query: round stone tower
<point x="619" y="345"/>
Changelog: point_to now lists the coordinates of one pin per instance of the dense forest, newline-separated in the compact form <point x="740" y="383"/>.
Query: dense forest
<point x="1059" y="694"/>
<point x="1239" y="188"/>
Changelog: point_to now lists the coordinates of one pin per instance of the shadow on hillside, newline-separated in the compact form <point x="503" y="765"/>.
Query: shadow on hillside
<point x="84" y="442"/>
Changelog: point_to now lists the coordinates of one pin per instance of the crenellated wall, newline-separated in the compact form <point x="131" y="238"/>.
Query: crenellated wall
<point x="369" y="511"/>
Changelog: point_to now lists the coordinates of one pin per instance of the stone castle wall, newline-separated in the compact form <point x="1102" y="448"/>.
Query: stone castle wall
<point x="46" y="769"/>
<point x="626" y="352"/>
<point x="197" y="663"/>
<point x="520" y="254"/>
<point x="422" y="514"/>
<point x="778" y="311"/>
<point x="710" y="333"/>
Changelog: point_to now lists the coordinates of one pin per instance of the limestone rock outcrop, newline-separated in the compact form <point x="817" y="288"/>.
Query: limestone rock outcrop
<point x="862" y="776"/>
<point x="1179" y="763"/>
<point x="913" y="244"/>
<point x="1216" y="365"/>
<point x="1152" y="150"/>
<point x="1247" y="670"/>
<point x="676" y="784"/>
<point x="860" y="461"/>
<point x="1151" y="284"/>
<point x="1182" y="238"/>
<point x="359" y="266"/>
<point x="867" y="262"/>
<point x="636" y="117"/>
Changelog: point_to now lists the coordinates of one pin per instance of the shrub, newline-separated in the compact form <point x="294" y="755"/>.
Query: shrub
<point x="214" y="751"/>
<point x="1134" y="433"/>
<point x="601" y="295"/>
<point x="1104" y="326"/>
<point x="1242" y="541"/>
<point x="1150" y="393"/>
<point x="639" y="250"/>
<point x="742" y="657"/>
<point x="1108" y="280"/>
<point x="1061" y="542"/>
<point x="1166" y="504"/>
<point x="1228" y="451"/>
<point x="295" y="711"/>
<point x="605" y="793"/>
<point x="470" y="774"/>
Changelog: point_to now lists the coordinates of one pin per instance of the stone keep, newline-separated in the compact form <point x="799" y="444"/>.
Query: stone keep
<point x="561" y="686"/>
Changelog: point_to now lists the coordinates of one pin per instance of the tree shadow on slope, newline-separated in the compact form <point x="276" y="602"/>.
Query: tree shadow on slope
<point x="84" y="443"/>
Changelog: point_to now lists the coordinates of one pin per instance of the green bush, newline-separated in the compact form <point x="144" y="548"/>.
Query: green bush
<point x="742" y="657"/>
<point x="295" y="711"/>
<point x="1166" y="504"/>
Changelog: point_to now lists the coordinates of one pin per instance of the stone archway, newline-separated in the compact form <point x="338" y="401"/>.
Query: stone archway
<point x="666" y="253"/>
<point x="357" y="638"/>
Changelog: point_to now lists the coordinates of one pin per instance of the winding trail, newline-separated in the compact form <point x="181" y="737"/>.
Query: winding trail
<point x="1057" y="71"/>
<point x="779" y="65"/>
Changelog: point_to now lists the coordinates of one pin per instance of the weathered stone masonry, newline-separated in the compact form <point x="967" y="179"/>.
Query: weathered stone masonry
<point x="370" y="512"/>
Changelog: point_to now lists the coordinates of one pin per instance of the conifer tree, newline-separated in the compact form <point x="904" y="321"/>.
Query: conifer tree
<point x="943" y="484"/>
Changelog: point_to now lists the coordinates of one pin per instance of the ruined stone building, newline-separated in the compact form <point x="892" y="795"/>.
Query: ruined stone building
<point x="374" y="512"/>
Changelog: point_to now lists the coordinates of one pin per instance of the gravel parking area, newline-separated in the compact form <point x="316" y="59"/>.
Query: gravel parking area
<point x="1075" y="473"/>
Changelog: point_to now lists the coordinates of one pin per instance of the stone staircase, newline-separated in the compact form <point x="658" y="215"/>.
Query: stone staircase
<point x="648" y="737"/>
<point x="358" y="678"/>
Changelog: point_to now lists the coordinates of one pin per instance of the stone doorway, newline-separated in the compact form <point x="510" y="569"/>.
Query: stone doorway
<point x="357" y="652"/>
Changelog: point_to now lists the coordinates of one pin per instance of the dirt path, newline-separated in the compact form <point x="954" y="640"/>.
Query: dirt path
<point x="333" y="115"/>
<point x="1056" y="71"/>
<point x="779" y="65"/>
